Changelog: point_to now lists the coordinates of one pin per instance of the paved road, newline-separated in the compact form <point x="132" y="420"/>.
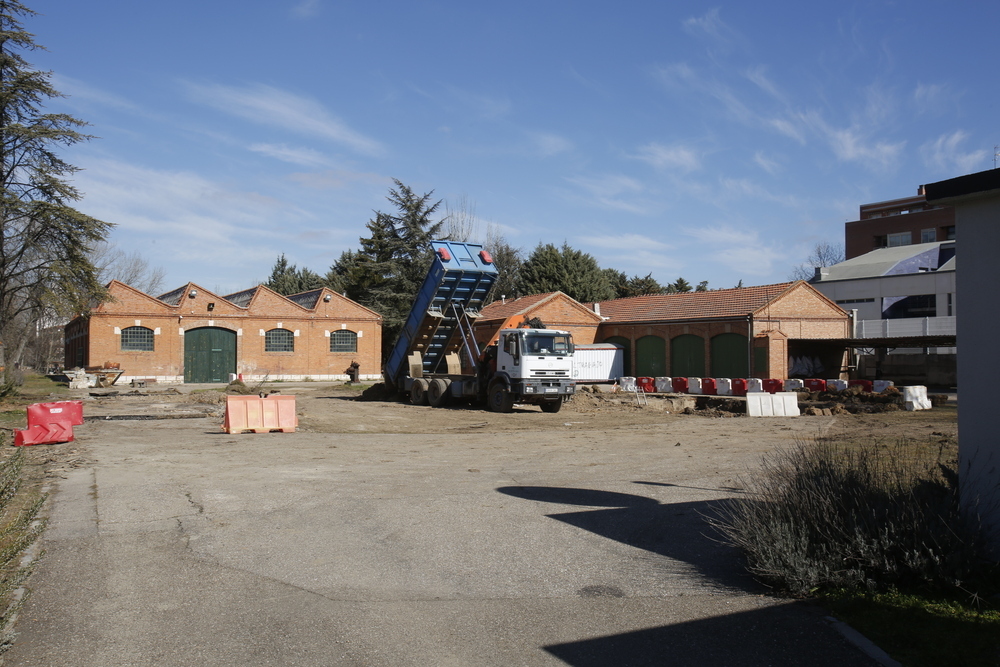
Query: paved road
<point x="184" y="546"/>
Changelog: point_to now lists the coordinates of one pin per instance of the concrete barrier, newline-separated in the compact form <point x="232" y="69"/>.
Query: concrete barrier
<point x="915" y="398"/>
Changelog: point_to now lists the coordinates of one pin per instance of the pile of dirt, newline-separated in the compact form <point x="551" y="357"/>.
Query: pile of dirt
<point x="378" y="392"/>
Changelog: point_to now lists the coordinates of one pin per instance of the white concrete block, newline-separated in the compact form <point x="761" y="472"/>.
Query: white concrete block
<point x="836" y="385"/>
<point x="915" y="398"/>
<point x="793" y="385"/>
<point x="694" y="385"/>
<point x="664" y="385"/>
<point x="627" y="383"/>
<point x="755" y="385"/>
<point x="724" y="386"/>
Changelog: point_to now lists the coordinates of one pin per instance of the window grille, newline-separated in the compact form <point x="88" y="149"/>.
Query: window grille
<point x="137" y="339"/>
<point x="279" y="340"/>
<point x="343" y="341"/>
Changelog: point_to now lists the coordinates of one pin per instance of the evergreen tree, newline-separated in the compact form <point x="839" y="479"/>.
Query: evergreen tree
<point x="386" y="273"/>
<point x="288" y="279"/>
<point x="679" y="285"/>
<point x="44" y="244"/>
<point x="702" y="286"/>
<point x="571" y="271"/>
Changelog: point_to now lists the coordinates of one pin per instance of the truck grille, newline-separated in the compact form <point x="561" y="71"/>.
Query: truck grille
<point x="550" y="374"/>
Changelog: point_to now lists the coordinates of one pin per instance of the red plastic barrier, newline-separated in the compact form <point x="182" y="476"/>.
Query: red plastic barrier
<point x="866" y="385"/>
<point x="709" y="386"/>
<point x="772" y="386"/>
<point x="739" y="387"/>
<point x="814" y="384"/>
<point x="647" y="385"/>
<point x="62" y="412"/>
<point x="44" y="434"/>
<point x="680" y="385"/>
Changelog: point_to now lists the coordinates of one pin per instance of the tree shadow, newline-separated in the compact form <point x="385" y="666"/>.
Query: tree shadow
<point x="680" y="531"/>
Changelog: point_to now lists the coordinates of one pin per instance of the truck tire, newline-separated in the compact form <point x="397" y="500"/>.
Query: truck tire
<point x="437" y="392"/>
<point x="418" y="392"/>
<point x="500" y="400"/>
<point x="551" y="406"/>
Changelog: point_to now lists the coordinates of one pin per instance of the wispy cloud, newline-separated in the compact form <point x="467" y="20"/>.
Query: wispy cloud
<point x="279" y="108"/>
<point x="766" y="163"/>
<point x="338" y="179"/>
<point x="712" y="26"/>
<point x="677" y="156"/>
<point x="306" y="9"/>
<point x="482" y="105"/>
<point x="82" y="91"/>
<point x="546" y="144"/>
<point x="945" y="154"/>
<point x="738" y="247"/>
<point x="611" y="191"/>
<point x="305" y="157"/>
<point x="626" y="242"/>
<point x="932" y="98"/>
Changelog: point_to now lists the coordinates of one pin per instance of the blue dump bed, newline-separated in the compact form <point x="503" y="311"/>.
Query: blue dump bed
<point x="459" y="280"/>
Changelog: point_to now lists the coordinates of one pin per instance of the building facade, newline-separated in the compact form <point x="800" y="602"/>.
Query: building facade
<point x="193" y="335"/>
<point x="898" y="222"/>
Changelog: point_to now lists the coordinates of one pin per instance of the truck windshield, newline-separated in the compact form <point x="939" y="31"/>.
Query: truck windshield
<point x="548" y="344"/>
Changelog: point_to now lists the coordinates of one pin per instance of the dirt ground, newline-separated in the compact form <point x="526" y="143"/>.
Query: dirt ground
<point x="334" y="408"/>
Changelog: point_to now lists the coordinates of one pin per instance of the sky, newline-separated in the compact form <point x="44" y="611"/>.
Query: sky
<point x="716" y="142"/>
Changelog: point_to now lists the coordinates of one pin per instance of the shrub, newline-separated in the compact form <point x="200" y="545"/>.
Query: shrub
<point x="868" y="516"/>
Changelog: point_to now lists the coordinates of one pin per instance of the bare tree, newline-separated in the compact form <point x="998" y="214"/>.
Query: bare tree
<point x="462" y="223"/>
<point x="824" y="254"/>
<point x="131" y="268"/>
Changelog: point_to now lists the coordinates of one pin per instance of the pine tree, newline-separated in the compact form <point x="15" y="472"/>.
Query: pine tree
<point x="568" y="270"/>
<point x="289" y="279"/>
<point x="44" y="245"/>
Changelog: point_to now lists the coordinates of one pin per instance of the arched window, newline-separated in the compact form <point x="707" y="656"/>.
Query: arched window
<point x="279" y="340"/>
<point x="137" y="339"/>
<point x="343" y="341"/>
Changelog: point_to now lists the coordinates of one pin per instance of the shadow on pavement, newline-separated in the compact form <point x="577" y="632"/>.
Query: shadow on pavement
<point x="788" y="634"/>
<point x="679" y="531"/>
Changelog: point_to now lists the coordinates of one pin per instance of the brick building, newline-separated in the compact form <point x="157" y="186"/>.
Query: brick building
<point x="193" y="335"/>
<point x="898" y="222"/>
<point x="555" y="309"/>
<point x="699" y="334"/>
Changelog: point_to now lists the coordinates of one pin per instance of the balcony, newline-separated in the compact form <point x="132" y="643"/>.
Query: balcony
<point x="905" y="327"/>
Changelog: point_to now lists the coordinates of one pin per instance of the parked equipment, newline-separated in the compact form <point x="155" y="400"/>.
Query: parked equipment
<point x="436" y="358"/>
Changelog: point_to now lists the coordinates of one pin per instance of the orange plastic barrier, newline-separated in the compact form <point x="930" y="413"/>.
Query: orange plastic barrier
<point x="260" y="415"/>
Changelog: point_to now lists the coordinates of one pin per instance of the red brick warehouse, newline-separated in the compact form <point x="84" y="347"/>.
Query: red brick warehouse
<point x="193" y="335"/>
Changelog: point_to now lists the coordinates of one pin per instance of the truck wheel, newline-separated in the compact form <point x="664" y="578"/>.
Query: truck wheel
<point x="437" y="392"/>
<point x="500" y="399"/>
<point x="418" y="392"/>
<point x="552" y="406"/>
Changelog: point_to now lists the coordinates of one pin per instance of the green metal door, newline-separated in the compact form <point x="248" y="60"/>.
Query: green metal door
<point x="687" y="356"/>
<point x="729" y="356"/>
<point x="650" y="357"/>
<point x="209" y="354"/>
<point x="626" y="353"/>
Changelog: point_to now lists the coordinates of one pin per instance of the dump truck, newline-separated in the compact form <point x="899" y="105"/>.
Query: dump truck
<point x="436" y="359"/>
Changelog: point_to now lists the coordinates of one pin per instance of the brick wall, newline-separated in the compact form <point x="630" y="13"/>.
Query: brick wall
<point x="100" y="334"/>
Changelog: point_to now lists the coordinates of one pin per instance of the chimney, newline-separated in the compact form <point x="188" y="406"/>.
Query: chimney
<point x="597" y="308"/>
<point x="821" y="273"/>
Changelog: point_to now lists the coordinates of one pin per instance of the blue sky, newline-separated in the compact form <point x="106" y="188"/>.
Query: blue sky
<point x="716" y="142"/>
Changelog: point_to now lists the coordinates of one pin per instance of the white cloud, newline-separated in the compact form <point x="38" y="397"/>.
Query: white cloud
<point x="612" y="191"/>
<point x="945" y="154"/>
<point x="674" y="157"/>
<point x="766" y="163"/>
<point x="712" y="26"/>
<point x="547" y="145"/>
<point x="306" y="157"/>
<point x="306" y="9"/>
<point x="932" y="98"/>
<point x="737" y="247"/>
<point x="81" y="91"/>
<point x="629" y="242"/>
<point x="480" y="104"/>
<point x="279" y="108"/>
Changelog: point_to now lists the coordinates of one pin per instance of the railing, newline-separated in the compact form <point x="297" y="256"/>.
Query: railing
<point x="911" y="326"/>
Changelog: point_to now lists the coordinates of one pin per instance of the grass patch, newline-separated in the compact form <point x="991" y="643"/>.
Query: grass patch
<point x="20" y="504"/>
<point x="921" y="630"/>
<point x="875" y="531"/>
<point x="42" y="385"/>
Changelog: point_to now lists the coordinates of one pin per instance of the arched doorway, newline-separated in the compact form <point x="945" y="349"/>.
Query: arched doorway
<point x="729" y="356"/>
<point x="651" y="357"/>
<point x="687" y="356"/>
<point x="209" y="354"/>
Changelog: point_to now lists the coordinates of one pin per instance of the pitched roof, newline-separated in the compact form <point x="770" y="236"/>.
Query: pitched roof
<point x="735" y="302"/>
<point x="502" y="310"/>
<point x="915" y="258"/>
